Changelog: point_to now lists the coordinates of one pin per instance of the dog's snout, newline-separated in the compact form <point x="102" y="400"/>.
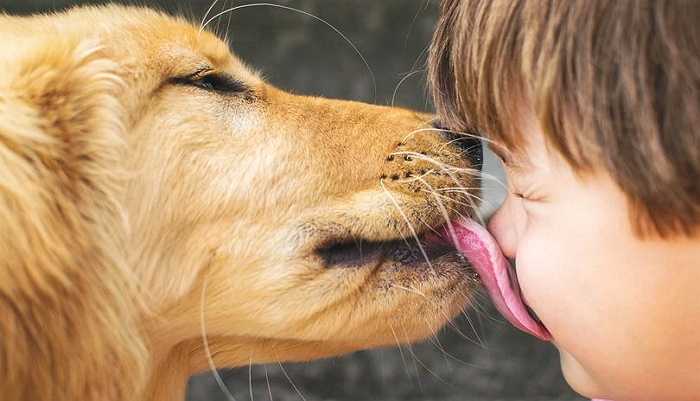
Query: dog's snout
<point x="469" y="143"/>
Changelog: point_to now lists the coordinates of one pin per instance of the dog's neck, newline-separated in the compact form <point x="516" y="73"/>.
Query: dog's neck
<point x="172" y="365"/>
<point x="168" y="375"/>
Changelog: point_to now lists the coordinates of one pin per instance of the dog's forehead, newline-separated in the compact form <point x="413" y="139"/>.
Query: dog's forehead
<point x="139" y="38"/>
<point x="171" y="44"/>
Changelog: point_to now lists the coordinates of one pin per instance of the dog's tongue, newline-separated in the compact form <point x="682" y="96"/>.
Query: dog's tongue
<point x="482" y="251"/>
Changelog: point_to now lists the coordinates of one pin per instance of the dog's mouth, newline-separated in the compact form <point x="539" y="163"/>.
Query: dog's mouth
<point x="426" y="249"/>
<point x="358" y="252"/>
<point x="464" y="244"/>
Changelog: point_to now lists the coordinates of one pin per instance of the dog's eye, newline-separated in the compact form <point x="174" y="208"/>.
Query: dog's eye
<point x="215" y="83"/>
<point x="205" y="83"/>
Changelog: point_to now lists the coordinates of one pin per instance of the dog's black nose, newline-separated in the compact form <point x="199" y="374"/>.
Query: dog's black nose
<point x="469" y="143"/>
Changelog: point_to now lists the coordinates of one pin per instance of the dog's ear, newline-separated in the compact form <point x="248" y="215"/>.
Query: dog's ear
<point x="68" y="303"/>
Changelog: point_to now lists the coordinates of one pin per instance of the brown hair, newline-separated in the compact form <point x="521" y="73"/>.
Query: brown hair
<point x="613" y="83"/>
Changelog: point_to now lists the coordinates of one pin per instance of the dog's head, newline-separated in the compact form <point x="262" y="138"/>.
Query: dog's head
<point x="283" y="227"/>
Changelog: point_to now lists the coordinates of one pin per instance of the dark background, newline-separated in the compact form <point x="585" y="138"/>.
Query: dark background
<point x="479" y="358"/>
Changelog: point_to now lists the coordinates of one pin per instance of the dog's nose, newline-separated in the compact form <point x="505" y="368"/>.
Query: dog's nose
<point x="469" y="143"/>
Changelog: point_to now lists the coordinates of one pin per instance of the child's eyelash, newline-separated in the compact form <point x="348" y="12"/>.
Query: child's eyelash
<point x="524" y="196"/>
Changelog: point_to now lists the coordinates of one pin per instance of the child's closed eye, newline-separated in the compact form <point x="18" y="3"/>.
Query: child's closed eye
<point x="527" y="194"/>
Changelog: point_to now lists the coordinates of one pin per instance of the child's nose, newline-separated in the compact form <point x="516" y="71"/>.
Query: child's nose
<point x="502" y="226"/>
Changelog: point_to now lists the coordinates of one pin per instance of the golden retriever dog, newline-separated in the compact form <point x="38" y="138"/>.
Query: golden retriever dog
<point x="165" y="211"/>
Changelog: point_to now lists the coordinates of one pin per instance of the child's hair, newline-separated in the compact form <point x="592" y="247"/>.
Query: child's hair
<point x="615" y="84"/>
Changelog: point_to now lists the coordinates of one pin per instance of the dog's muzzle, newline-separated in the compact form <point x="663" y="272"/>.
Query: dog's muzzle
<point x="469" y="143"/>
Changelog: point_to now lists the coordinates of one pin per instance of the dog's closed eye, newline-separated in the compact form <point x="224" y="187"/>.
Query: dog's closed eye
<point x="215" y="82"/>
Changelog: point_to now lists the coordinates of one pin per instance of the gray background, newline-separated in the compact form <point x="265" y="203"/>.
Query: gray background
<point x="479" y="358"/>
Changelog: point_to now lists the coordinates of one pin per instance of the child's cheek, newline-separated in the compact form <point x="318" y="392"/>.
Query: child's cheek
<point x="544" y="285"/>
<point x="546" y="290"/>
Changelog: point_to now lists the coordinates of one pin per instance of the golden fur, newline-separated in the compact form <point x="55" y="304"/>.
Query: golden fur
<point x="153" y="189"/>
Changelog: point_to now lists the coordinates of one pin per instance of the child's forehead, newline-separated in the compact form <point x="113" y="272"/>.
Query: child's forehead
<point x="530" y="152"/>
<point x="521" y="143"/>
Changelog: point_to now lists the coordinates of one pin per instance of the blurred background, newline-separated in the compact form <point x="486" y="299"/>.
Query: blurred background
<point x="479" y="357"/>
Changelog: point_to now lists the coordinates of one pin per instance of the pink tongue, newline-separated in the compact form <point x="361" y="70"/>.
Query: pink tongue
<point x="480" y="248"/>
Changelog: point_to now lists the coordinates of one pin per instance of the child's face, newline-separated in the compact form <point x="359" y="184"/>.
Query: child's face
<point x="624" y="312"/>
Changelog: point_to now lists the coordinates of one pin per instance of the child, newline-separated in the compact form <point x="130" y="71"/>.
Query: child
<point x="594" y="107"/>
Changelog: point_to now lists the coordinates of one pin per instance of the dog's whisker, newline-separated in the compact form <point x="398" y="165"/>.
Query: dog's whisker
<point x="206" y="14"/>
<point x="461" y="191"/>
<point x="428" y="369"/>
<point x="460" y="135"/>
<point x="443" y="211"/>
<point x="284" y="371"/>
<point x="452" y="358"/>
<point x="472" y="199"/>
<point x="473" y="135"/>
<point x="453" y="325"/>
<point x="205" y="343"/>
<point x="457" y="189"/>
<point x="410" y="289"/>
<point x="418" y="177"/>
<point x="250" y="376"/>
<point x="435" y="375"/>
<point x="419" y="130"/>
<point x="326" y="23"/>
<point x="449" y="358"/>
<point x="217" y="30"/>
<point x="492" y="178"/>
<point x="396" y="89"/>
<point x="442" y="165"/>
<point x="479" y="340"/>
<point x="476" y="304"/>
<point x="228" y="25"/>
<point x="468" y="204"/>
<point x="447" y="168"/>
<point x="267" y="379"/>
<point x="400" y="347"/>
<point x="435" y="340"/>
<point x="478" y="300"/>
<point x="408" y="222"/>
<point x="450" y="321"/>
<point x="456" y="180"/>
<point x="453" y="141"/>
<point x="414" y="357"/>
<point x="474" y="206"/>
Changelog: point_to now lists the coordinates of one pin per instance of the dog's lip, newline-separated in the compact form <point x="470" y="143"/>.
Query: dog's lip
<point x="352" y="252"/>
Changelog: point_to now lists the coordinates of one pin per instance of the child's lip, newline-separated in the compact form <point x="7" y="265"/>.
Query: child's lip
<point x="532" y="313"/>
<point x="499" y="278"/>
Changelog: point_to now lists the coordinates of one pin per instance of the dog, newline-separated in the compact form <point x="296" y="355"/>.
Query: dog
<point x="165" y="211"/>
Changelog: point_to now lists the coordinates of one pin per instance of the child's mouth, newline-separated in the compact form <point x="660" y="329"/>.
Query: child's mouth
<point x="482" y="251"/>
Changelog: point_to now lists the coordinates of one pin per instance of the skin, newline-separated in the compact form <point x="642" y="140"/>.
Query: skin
<point x="622" y="309"/>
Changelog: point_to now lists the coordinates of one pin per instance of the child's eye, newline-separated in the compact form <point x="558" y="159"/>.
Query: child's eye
<point x="520" y="195"/>
<point x="524" y="196"/>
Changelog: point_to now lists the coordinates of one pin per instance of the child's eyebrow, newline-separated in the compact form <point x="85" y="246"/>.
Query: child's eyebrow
<point x="502" y="153"/>
<point x="511" y="160"/>
<point x="519" y="168"/>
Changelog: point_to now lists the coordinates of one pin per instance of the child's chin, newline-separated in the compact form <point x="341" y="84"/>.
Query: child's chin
<point x="579" y="377"/>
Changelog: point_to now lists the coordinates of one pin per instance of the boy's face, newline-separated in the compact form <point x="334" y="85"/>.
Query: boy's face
<point x="624" y="312"/>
